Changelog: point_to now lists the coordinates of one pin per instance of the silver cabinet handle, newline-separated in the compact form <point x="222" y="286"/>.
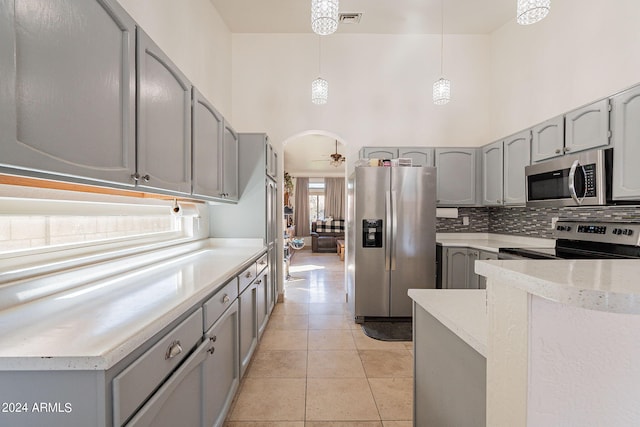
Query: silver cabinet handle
<point x="566" y="149"/>
<point x="262" y="262"/>
<point x="146" y="178"/>
<point x="135" y="177"/>
<point x="225" y="299"/>
<point x="174" y="349"/>
<point x="211" y="350"/>
<point x="213" y="338"/>
<point x="258" y="281"/>
<point x="558" y="151"/>
<point x="248" y="275"/>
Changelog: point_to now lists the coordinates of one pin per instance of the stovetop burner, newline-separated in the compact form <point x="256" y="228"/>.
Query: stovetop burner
<point x="586" y="240"/>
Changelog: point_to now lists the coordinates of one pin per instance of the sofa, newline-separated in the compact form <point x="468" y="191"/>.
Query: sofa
<point x="325" y="233"/>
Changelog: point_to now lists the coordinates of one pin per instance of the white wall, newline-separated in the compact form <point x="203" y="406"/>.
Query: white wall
<point x="380" y="88"/>
<point x="582" y="51"/>
<point x="197" y="40"/>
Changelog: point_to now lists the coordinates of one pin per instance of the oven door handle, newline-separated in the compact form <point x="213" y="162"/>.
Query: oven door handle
<point x="572" y="182"/>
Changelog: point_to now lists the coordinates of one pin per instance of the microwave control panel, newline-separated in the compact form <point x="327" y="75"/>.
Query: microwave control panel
<point x="590" y="180"/>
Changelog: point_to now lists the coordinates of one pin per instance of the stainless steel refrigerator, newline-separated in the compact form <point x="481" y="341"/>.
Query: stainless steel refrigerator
<point x="391" y="238"/>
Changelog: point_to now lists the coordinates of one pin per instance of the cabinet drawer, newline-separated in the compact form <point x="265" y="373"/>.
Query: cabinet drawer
<point x="217" y="304"/>
<point x="246" y="277"/>
<point x="133" y="385"/>
<point x="261" y="264"/>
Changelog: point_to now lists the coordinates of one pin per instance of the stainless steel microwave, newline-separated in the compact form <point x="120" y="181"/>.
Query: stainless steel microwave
<point x="572" y="180"/>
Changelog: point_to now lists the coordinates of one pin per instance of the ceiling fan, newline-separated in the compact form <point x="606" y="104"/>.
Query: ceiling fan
<point x="335" y="159"/>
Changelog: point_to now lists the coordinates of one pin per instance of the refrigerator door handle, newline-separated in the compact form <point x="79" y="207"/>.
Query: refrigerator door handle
<point x="387" y="243"/>
<point x="394" y="228"/>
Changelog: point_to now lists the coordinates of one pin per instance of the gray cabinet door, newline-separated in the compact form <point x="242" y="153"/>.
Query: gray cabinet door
<point x="67" y="98"/>
<point x="221" y="369"/>
<point x="230" y="163"/>
<point x="492" y="174"/>
<point x="457" y="171"/>
<point x="207" y="148"/>
<point x="164" y="121"/>
<point x="587" y="127"/>
<point x="473" y="280"/>
<point x="457" y="277"/>
<point x="517" y="155"/>
<point x="418" y="156"/>
<point x="262" y="302"/>
<point x="547" y="139"/>
<point x="378" y="153"/>
<point x="625" y="122"/>
<point x="485" y="255"/>
<point x="248" y="325"/>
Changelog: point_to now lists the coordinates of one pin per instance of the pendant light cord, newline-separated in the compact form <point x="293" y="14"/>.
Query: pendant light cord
<point x="319" y="58"/>
<point x="442" y="38"/>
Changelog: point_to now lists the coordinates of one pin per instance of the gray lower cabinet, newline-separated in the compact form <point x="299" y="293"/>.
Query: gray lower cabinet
<point x="419" y="156"/>
<point x="625" y="124"/>
<point x="547" y="139"/>
<point x="492" y="174"/>
<point x="517" y="155"/>
<point x="248" y="324"/>
<point x="485" y="255"/>
<point x="450" y="385"/>
<point x="458" y="183"/>
<point x="208" y="126"/>
<point x="262" y="301"/>
<point x="459" y="267"/>
<point x="221" y="368"/>
<point x="587" y="127"/>
<point x="67" y="92"/>
<point x="164" y="121"/>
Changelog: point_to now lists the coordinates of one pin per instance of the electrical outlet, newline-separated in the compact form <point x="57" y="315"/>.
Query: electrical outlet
<point x="553" y="222"/>
<point x="465" y="220"/>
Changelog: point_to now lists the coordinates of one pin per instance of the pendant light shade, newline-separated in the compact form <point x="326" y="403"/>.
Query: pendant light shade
<point x="532" y="11"/>
<point x="324" y="16"/>
<point x="319" y="91"/>
<point x="441" y="91"/>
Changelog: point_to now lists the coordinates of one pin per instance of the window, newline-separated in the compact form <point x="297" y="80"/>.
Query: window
<point x="316" y="199"/>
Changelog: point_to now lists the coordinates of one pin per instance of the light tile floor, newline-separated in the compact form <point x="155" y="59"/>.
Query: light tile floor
<point x="314" y="367"/>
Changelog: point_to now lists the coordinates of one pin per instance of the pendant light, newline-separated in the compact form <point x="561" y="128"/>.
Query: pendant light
<point x="532" y="11"/>
<point x="442" y="87"/>
<point x="319" y="87"/>
<point x="324" y="16"/>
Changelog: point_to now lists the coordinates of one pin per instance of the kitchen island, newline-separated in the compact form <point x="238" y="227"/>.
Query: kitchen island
<point x="560" y="339"/>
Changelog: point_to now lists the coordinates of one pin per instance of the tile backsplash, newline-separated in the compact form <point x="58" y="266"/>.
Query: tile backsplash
<point x="534" y="222"/>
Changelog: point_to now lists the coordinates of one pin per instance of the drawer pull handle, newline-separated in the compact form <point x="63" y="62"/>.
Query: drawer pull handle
<point x="211" y="350"/>
<point x="213" y="338"/>
<point x="262" y="262"/>
<point x="258" y="281"/>
<point x="248" y="275"/>
<point x="225" y="299"/>
<point x="174" y="349"/>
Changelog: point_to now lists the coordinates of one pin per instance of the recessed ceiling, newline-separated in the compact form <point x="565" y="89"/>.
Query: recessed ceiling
<point x="378" y="16"/>
<point x="309" y="156"/>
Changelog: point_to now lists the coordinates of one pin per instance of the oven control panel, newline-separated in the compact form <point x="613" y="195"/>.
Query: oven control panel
<point x="625" y="233"/>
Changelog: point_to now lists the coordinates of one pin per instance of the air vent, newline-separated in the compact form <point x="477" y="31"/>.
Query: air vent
<point x="350" y="18"/>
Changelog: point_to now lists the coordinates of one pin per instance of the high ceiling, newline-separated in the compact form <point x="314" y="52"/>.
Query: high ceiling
<point x="309" y="155"/>
<point x="378" y="16"/>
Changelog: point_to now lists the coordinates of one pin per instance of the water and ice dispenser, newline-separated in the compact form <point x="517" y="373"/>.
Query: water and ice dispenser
<point x="371" y="233"/>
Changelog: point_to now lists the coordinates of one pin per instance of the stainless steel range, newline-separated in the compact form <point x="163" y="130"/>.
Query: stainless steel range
<point x="585" y="240"/>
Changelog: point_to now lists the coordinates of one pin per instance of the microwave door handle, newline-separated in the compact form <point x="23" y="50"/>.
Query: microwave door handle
<point x="572" y="182"/>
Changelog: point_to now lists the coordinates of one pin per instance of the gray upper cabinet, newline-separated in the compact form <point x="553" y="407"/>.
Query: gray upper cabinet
<point x="229" y="165"/>
<point x="625" y="122"/>
<point x="208" y="126"/>
<point x="457" y="169"/>
<point x="547" y="139"/>
<point x="164" y="121"/>
<point x="517" y="155"/>
<point x="587" y="127"/>
<point x="67" y="97"/>
<point x="492" y="181"/>
<point x="378" y="153"/>
<point x="419" y="156"/>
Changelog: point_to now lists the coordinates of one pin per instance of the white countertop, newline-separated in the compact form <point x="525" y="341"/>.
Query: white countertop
<point x="463" y="311"/>
<point x="603" y="285"/>
<point x="492" y="242"/>
<point x="94" y="326"/>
